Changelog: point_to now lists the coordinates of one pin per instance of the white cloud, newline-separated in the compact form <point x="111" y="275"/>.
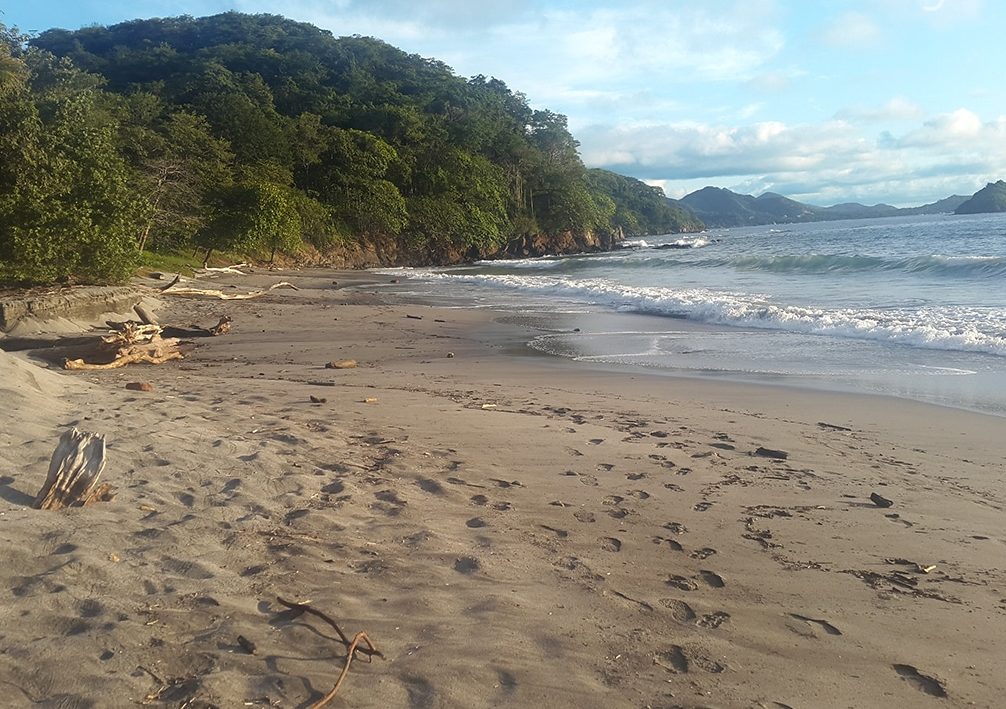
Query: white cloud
<point x="962" y="130"/>
<point x="897" y="109"/>
<point x="821" y="163"/>
<point x="852" y="29"/>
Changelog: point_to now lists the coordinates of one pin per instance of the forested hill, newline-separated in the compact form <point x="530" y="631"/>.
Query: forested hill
<point x="257" y="133"/>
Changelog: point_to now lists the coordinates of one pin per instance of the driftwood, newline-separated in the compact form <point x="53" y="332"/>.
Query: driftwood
<point x="174" y="281"/>
<point x="145" y="316"/>
<point x="211" y="271"/>
<point x="213" y="293"/>
<point x="221" y="328"/>
<point x="352" y="646"/>
<point x="74" y="469"/>
<point x="134" y="343"/>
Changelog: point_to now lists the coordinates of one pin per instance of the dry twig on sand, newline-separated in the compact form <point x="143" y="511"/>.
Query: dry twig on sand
<point x="352" y="646"/>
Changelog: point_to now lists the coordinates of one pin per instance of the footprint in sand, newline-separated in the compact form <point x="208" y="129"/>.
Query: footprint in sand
<point x="713" y="579"/>
<point x="681" y="583"/>
<point x="924" y="683"/>
<point x="505" y="484"/>
<point x="703" y="553"/>
<point x="475" y="523"/>
<point x="639" y="494"/>
<point x="467" y="565"/>
<point x="674" y="488"/>
<point x="584" y="516"/>
<point x="480" y="500"/>
<point x="683" y="660"/>
<point x="619" y="513"/>
<point x="612" y="500"/>
<point x="675" y="528"/>
<point x="596" y="441"/>
<point x="635" y="476"/>
<point x="561" y="533"/>
<point x="606" y="467"/>
<point x="680" y="611"/>
<point x="610" y="544"/>
<point x="675" y="546"/>
<point x="430" y="486"/>
<point x="714" y="620"/>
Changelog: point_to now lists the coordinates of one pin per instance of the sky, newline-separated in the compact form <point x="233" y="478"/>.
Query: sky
<point x="824" y="101"/>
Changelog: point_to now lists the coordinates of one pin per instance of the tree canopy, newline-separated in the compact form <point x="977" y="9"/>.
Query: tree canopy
<point x="254" y="132"/>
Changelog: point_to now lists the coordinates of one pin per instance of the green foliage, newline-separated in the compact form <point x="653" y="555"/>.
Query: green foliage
<point x="68" y="210"/>
<point x="461" y="200"/>
<point x="251" y="216"/>
<point x="641" y="208"/>
<point x="253" y="133"/>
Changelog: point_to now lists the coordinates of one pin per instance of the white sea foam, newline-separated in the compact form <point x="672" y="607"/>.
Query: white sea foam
<point x="694" y="243"/>
<point x="971" y="329"/>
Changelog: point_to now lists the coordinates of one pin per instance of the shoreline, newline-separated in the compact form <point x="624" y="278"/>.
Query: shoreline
<point x="508" y="530"/>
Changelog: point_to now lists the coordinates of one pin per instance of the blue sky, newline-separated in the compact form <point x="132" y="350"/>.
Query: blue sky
<point x="826" y="101"/>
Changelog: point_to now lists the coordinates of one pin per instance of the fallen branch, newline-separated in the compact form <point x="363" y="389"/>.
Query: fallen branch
<point x="174" y="281"/>
<point x="213" y="293"/>
<point x="214" y="271"/>
<point x="73" y="475"/>
<point x="352" y="646"/>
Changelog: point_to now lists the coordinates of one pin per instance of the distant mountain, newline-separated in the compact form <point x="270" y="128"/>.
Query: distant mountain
<point x="719" y="207"/>
<point x="990" y="198"/>
<point x="947" y="205"/>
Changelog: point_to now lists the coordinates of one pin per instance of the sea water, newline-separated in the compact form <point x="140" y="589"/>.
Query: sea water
<point x="905" y="306"/>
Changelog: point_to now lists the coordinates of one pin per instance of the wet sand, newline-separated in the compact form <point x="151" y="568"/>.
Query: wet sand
<point x="509" y="530"/>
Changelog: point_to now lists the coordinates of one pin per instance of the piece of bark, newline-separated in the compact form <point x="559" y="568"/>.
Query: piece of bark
<point x="74" y="469"/>
<point x="880" y="501"/>
<point x="140" y="386"/>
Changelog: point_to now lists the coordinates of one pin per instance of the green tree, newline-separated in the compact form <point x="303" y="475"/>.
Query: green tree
<point x="68" y="212"/>
<point x="250" y="216"/>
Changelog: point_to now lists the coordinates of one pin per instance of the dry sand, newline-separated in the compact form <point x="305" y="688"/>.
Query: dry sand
<point x="509" y="530"/>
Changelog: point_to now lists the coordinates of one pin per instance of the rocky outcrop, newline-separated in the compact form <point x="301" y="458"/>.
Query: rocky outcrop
<point x="382" y="251"/>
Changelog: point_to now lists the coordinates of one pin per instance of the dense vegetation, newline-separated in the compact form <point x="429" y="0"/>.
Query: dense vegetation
<point x="253" y="133"/>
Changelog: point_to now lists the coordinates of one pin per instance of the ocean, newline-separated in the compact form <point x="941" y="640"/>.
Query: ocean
<point x="905" y="306"/>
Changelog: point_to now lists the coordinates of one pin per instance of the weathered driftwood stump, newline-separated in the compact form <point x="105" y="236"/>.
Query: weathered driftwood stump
<point x="133" y="343"/>
<point x="74" y="469"/>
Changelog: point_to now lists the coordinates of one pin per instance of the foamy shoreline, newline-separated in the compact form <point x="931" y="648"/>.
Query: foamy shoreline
<point x="509" y="530"/>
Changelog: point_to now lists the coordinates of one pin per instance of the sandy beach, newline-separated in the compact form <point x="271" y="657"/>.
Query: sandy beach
<point x="509" y="529"/>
